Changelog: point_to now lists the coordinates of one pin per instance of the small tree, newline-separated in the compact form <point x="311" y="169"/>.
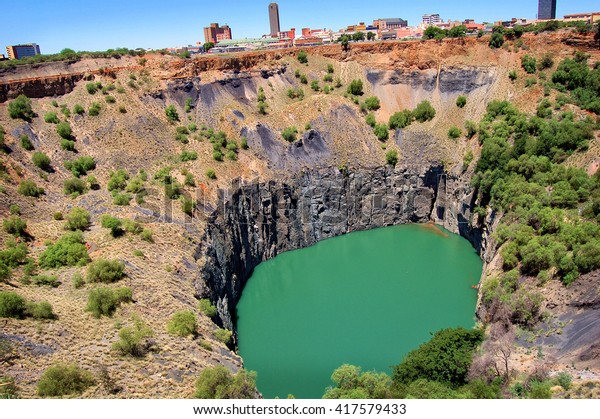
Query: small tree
<point x="182" y="323"/>
<point x="391" y="157"/>
<point x="106" y="271"/>
<point x="11" y="305"/>
<point x="302" y="57"/>
<point x="133" y="340"/>
<point x="26" y="143"/>
<point x="289" y="134"/>
<point x="401" y="120"/>
<point x="355" y="88"/>
<point x="14" y="225"/>
<point x="21" y="108"/>
<point x="454" y="132"/>
<point x="370" y="120"/>
<point x="41" y="160"/>
<point x="496" y="40"/>
<point x="78" y="219"/>
<point x="424" y="112"/>
<point x="372" y="103"/>
<point x="344" y="40"/>
<point x="29" y="188"/>
<point x="218" y="383"/>
<point x="381" y="132"/>
<point x="207" y="307"/>
<point x="461" y="101"/>
<point x="529" y="64"/>
<point x="208" y="46"/>
<point x="64" y="379"/>
<point x="51" y="118"/>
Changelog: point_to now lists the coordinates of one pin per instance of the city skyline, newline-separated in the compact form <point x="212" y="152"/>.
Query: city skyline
<point x="153" y="24"/>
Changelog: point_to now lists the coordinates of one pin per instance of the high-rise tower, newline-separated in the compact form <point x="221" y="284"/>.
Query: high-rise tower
<point x="547" y="9"/>
<point x="274" y="19"/>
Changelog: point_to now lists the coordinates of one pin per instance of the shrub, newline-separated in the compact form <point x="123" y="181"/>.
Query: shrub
<point x="244" y="143"/>
<point x="64" y="130"/>
<point x="496" y="40"/>
<point x="223" y="335"/>
<point x="78" y="219"/>
<point x="289" y="134"/>
<point x="188" y="155"/>
<point x="77" y="281"/>
<point x="328" y="78"/>
<point x="26" y="143"/>
<point x="29" y="188"/>
<point x="64" y="379"/>
<point x="80" y="166"/>
<point x="14" y="255"/>
<point x="205" y="306"/>
<point x="231" y="155"/>
<point x="41" y="160"/>
<point x="117" y="180"/>
<point x="182" y="323"/>
<point x="381" y="132"/>
<point x="302" y="57"/>
<point x="104" y="301"/>
<point x="296" y="93"/>
<point x="454" y="132"/>
<point x="66" y="112"/>
<point x="471" y="128"/>
<point x="564" y="380"/>
<point x="146" y="235"/>
<point x="529" y="64"/>
<point x="5" y="272"/>
<point x="391" y="157"/>
<point x="512" y="75"/>
<point x="14" y="225"/>
<point x="110" y="99"/>
<point x="303" y="79"/>
<point x="315" y="85"/>
<point x="400" y="119"/>
<point x="78" y="109"/>
<point x="218" y="383"/>
<point x="122" y="199"/>
<point x="370" y="120"/>
<point x="210" y="173"/>
<point x="330" y="69"/>
<point x="74" y="187"/>
<point x="461" y="101"/>
<point x="91" y="88"/>
<point x="187" y="205"/>
<point x="58" y="216"/>
<point x="218" y="156"/>
<point x="372" y="103"/>
<point x="171" y="113"/>
<point x="40" y="311"/>
<point x="546" y="62"/>
<point x="69" y="250"/>
<point x="189" y="180"/>
<point x="20" y="108"/>
<point x="355" y="88"/>
<point x="94" y="109"/>
<point x="67" y="145"/>
<point x="133" y="340"/>
<point x="424" y="112"/>
<point x="540" y="390"/>
<point x="105" y="271"/>
<point x="45" y="280"/>
<point x="12" y="305"/>
<point x="51" y="118"/>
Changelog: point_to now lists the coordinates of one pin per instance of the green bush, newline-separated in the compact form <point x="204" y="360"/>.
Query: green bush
<point x="171" y="113"/>
<point x="182" y="323"/>
<point x="391" y="157"/>
<point x="104" y="301"/>
<point x="12" y="305"/>
<point x="64" y="130"/>
<point x="41" y="160"/>
<point x="74" y="187"/>
<point x="381" y="132"/>
<point x="289" y="134"/>
<point x="401" y="120"/>
<point x="105" y="271"/>
<point x="315" y="85"/>
<point x="146" y="235"/>
<point x="110" y="99"/>
<point x="187" y="205"/>
<point x="355" y="88"/>
<point x="5" y="272"/>
<point x="540" y="390"/>
<point x="133" y="340"/>
<point x="303" y="79"/>
<point x="117" y="180"/>
<point x="94" y="109"/>
<point x="529" y="64"/>
<point x="79" y="167"/>
<point x="77" y="281"/>
<point x="26" y="143"/>
<point x="15" y="225"/>
<point x="14" y="254"/>
<point x="330" y="69"/>
<point x="351" y="383"/>
<point x="21" y="108"/>
<point x="328" y="78"/>
<point x="424" y="112"/>
<point x="496" y="40"/>
<point x="91" y="88"/>
<point x="63" y="380"/>
<point x="40" y="311"/>
<point x="372" y="103"/>
<point x="218" y="383"/>
<point x="205" y="306"/>
<point x="296" y="93"/>
<point x="370" y="120"/>
<point x="51" y="118"/>
<point x="78" y="219"/>
<point x="29" y="188"/>
<point x="67" y="145"/>
<point x="69" y="250"/>
<point x="461" y="101"/>
<point x="78" y="109"/>
<point x="302" y="57"/>
<point x="210" y="173"/>
<point x="231" y="155"/>
<point x="454" y="132"/>
<point x="45" y="280"/>
<point x="66" y="112"/>
<point x="188" y="156"/>
<point x="564" y="380"/>
<point x="223" y="335"/>
<point x="122" y="199"/>
<point x="471" y="128"/>
<point x="218" y="156"/>
<point x="512" y="75"/>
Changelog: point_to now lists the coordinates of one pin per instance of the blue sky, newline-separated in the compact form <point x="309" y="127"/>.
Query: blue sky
<point x="102" y="24"/>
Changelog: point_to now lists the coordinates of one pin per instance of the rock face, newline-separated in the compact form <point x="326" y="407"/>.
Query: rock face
<point x="256" y="222"/>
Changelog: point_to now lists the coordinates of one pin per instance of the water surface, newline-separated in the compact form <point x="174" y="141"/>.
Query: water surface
<point x="365" y="298"/>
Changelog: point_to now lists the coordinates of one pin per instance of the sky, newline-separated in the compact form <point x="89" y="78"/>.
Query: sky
<point x="85" y="25"/>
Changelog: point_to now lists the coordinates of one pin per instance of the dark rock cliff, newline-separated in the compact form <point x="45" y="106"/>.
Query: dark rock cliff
<point x="255" y="222"/>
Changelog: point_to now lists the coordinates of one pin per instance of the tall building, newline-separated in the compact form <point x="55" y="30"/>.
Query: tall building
<point x="429" y="20"/>
<point x="215" y="33"/>
<point x="547" y="9"/>
<point x="274" y="19"/>
<point x="24" y="50"/>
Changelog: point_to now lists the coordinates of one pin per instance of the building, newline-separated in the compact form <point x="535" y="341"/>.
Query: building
<point x="547" y="9"/>
<point x="291" y="34"/>
<point x="430" y="20"/>
<point x="215" y="33"/>
<point x="390" y="24"/>
<point x="590" y="18"/>
<point x="274" y="19"/>
<point x="24" y="50"/>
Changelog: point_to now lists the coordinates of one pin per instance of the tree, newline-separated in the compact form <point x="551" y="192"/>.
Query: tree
<point x="345" y="40"/>
<point x="219" y="383"/>
<point x="289" y="134"/>
<point x="445" y="358"/>
<point x="302" y="57"/>
<point x="351" y="382"/>
<point x="358" y="36"/>
<point x="459" y="31"/>
<point x="433" y="32"/>
<point x="496" y="40"/>
<point x="182" y="323"/>
<point x="401" y="120"/>
<point x="381" y="132"/>
<point x="41" y="160"/>
<point x="424" y="111"/>
<point x="208" y="46"/>
<point x="78" y="219"/>
<point x="391" y="157"/>
<point x="21" y="108"/>
<point x="372" y="103"/>
<point x="171" y="113"/>
<point x="370" y="36"/>
<point x="461" y="101"/>
<point x="64" y="379"/>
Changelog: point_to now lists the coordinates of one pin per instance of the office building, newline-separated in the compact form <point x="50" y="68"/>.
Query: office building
<point x="274" y="19"/>
<point x="24" y="50"/>
<point x="430" y="20"/>
<point x="215" y="33"/>
<point x="547" y="9"/>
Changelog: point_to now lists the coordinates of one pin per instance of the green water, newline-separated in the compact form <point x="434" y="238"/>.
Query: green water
<point x="366" y="298"/>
